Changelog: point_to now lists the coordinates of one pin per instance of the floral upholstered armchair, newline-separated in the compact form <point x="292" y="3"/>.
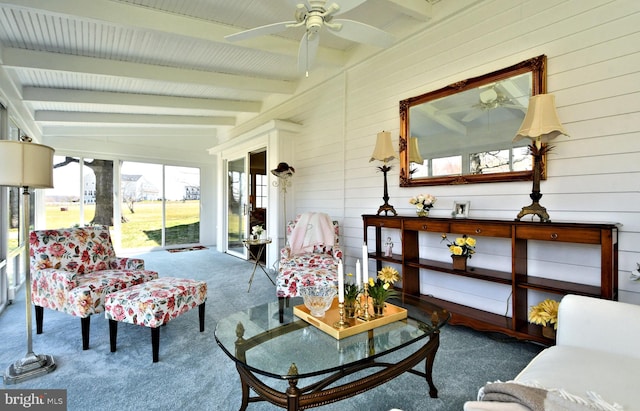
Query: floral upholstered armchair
<point x="74" y="269"/>
<point x="315" y="263"/>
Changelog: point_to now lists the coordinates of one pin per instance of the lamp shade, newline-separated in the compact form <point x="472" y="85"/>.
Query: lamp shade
<point x="384" y="148"/>
<point x="541" y="122"/>
<point x="25" y="164"/>
<point x="414" y="151"/>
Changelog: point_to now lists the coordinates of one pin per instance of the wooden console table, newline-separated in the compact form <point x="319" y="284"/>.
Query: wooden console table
<point x="520" y="233"/>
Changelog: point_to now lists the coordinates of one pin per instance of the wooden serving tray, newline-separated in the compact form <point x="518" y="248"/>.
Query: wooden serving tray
<point x="354" y="325"/>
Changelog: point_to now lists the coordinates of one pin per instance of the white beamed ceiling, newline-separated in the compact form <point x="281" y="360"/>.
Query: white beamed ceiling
<point x="126" y="68"/>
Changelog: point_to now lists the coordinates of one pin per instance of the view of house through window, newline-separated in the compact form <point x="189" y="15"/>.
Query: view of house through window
<point x="83" y="195"/>
<point x="144" y="186"/>
<point x="72" y="201"/>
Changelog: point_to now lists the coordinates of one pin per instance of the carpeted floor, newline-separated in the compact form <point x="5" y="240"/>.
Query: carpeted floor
<point x="193" y="372"/>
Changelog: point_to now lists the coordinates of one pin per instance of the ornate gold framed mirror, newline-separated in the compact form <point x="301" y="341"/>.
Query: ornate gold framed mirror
<point x="463" y="133"/>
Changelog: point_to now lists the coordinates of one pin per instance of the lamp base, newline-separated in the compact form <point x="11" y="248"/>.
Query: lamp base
<point x="386" y="208"/>
<point x="30" y="366"/>
<point x="536" y="209"/>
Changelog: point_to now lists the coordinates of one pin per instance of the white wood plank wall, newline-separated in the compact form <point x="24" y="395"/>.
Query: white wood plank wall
<point x="593" y="51"/>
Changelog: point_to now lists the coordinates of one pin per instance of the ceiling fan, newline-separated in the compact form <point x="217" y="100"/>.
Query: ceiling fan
<point x="314" y="15"/>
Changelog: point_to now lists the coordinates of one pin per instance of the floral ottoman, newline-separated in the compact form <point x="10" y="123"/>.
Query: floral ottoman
<point x="152" y="304"/>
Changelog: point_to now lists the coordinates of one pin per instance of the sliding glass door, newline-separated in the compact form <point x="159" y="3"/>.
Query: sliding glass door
<point x="182" y="205"/>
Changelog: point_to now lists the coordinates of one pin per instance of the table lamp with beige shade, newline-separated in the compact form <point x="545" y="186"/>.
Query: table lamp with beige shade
<point x="541" y="124"/>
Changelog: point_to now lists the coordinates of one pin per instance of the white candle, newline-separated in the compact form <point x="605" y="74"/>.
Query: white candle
<point x="358" y="274"/>
<point x="340" y="283"/>
<point x="365" y="263"/>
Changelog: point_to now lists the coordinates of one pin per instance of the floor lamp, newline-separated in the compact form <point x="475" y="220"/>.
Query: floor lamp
<point x="284" y="172"/>
<point x="27" y="165"/>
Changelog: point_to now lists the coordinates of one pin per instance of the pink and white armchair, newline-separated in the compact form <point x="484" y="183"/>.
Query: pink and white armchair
<point x="74" y="269"/>
<point x="318" y="266"/>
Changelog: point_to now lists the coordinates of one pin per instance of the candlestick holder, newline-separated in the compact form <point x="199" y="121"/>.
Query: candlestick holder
<point x="341" y="323"/>
<point x="364" y="315"/>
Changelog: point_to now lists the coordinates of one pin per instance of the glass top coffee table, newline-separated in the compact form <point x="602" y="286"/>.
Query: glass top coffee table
<point x="266" y="352"/>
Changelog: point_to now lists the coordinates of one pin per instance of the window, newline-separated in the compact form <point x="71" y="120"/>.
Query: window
<point x="160" y="204"/>
<point x="261" y="191"/>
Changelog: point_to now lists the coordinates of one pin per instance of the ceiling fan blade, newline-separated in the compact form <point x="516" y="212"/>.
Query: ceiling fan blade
<point x="260" y="31"/>
<point x="515" y="106"/>
<point x="361" y="33"/>
<point x="346" y="5"/>
<point x="473" y="115"/>
<point x="453" y="110"/>
<point x="307" y="52"/>
<point x="294" y="3"/>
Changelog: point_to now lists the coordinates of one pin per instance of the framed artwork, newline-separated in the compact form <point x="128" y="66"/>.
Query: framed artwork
<point x="461" y="209"/>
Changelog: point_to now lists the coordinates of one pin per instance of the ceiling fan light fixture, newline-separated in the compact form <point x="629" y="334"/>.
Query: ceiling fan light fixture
<point x="489" y="95"/>
<point x="314" y="23"/>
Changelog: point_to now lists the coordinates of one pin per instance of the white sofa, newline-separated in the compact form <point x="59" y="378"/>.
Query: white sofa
<point x="595" y="364"/>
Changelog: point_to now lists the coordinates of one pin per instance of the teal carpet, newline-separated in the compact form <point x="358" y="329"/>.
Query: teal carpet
<point x="193" y="372"/>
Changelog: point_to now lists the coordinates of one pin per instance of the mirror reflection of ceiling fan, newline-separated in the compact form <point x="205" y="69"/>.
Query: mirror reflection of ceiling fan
<point x="314" y="15"/>
<point x="490" y="98"/>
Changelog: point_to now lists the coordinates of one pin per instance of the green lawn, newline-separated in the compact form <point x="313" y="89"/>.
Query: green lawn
<point x="143" y="227"/>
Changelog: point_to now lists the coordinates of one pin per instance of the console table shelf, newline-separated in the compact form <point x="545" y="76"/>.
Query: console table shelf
<point x="473" y="272"/>
<point x="558" y="287"/>
<point x="521" y="234"/>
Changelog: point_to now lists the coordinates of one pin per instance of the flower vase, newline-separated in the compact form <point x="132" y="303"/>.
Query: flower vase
<point x="423" y="213"/>
<point x="459" y="262"/>
<point x="350" y="309"/>
<point x="548" y="331"/>
<point x="378" y="309"/>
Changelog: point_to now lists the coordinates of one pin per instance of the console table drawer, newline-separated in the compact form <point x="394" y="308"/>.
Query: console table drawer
<point x="471" y="228"/>
<point x="572" y="235"/>
<point x="427" y="225"/>
<point x="383" y="221"/>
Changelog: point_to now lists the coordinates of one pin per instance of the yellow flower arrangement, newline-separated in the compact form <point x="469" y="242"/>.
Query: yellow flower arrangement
<point x="545" y="313"/>
<point x="389" y="275"/>
<point x="381" y="289"/>
<point x="464" y="246"/>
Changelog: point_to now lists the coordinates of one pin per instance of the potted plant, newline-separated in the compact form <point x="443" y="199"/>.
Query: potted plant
<point x="351" y="293"/>
<point x="461" y="249"/>
<point x="545" y="314"/>
<point x="423" y="203"/>
<point x="257" y="231"/>
<point x="381" y="289"/>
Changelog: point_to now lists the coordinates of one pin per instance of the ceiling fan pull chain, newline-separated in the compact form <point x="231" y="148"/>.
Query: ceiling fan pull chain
<point x="306" y="72"/>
